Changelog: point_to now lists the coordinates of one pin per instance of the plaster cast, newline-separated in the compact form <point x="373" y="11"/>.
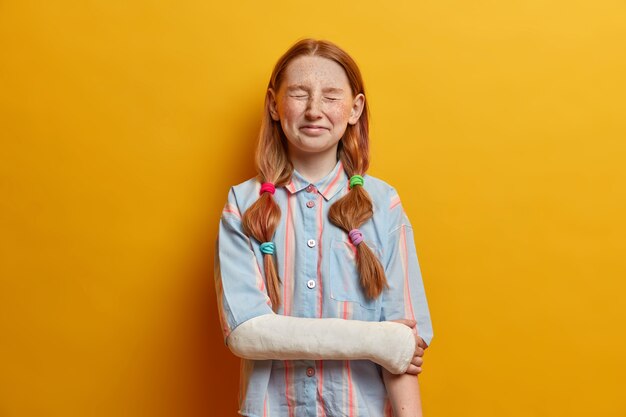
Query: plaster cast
<point x="273" y="336"/>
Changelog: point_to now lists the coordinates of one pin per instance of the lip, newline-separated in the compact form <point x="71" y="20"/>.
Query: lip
<point x="313" y="130"/>
<point x="313" y="127"/>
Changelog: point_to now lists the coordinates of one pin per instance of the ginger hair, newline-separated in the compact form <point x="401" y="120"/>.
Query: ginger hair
<point x="261" y="219"/>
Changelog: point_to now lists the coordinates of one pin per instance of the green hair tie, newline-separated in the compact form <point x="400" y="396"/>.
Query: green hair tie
<point x="268" y="248"/>
<point x="356" y="180"/>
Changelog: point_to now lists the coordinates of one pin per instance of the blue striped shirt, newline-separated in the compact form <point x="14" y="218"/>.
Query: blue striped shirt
<point x="316" y="264"/>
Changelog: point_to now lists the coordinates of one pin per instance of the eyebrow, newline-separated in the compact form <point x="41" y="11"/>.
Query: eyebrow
<point x="324" y="90"/>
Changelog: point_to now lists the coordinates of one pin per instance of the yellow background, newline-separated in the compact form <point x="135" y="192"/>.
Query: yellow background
<point x="123" y="124"/>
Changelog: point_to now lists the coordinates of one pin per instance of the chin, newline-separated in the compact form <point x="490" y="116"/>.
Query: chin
<point x="318" y="147"/>
<point x="313" y="149"/>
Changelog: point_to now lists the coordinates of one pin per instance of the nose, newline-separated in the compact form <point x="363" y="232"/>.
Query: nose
<point x="313" y="108"/>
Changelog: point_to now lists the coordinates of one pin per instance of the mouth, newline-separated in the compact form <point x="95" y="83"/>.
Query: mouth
<point x="313" y="128"/>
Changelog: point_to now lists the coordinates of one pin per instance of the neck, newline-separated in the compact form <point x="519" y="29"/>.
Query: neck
<point x="314" y="166"/>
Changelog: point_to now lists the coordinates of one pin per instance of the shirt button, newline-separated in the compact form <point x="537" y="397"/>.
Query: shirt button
<point x="310" y="188"/>
<point x="310" y="371"/>
<point x="310" y="283"/>
<point x="310" y="204"/>
<point x="310" y="243"/>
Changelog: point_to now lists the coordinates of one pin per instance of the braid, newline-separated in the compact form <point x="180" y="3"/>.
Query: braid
<point x="261" y="219"/>
<point x="354" y="209"/>
<point x="260" y="222"/>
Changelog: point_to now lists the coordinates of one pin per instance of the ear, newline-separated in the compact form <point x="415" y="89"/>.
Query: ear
<point x="358" y="104"/>
<point x="271" y="98"/>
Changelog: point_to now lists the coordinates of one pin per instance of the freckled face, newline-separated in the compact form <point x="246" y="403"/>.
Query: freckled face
<point x="314" y="104"/>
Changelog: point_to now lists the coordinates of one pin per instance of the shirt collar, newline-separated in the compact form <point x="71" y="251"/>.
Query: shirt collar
<point x="327" y="186"/>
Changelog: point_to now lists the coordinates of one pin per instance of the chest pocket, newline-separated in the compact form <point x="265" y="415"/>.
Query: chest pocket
<point x="345" y="282"/>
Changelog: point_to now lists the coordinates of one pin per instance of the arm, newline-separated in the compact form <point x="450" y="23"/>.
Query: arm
<point x="405" y="299"/>
<point x="272" y="336"/>
<point x="403" y="390"/>
<point x="404" y="394"/>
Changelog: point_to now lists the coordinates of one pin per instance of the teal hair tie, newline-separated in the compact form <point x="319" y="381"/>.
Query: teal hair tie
<point x="268" y="248"/>
<point x="356" y="180"/>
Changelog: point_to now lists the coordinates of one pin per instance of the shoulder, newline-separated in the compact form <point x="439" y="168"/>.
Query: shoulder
<point x="382" y="193"/>
<point x="386" y="201"/>
<point x="249" y="187"/>
<point x="241" y="196"/>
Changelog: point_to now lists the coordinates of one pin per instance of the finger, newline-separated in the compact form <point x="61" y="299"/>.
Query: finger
<point x="413" y="370"/>
<point x="419" y="351"/>
<point x="417" y="361"/>
<point x="406" y="322"/>
<point x="421" y="343"/>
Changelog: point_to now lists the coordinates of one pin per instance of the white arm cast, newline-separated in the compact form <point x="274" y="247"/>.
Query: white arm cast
<point x="273" y="336"/>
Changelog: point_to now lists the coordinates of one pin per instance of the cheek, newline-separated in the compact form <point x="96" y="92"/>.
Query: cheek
<point x="338" y="114"/>
<point x="292" y="110"/>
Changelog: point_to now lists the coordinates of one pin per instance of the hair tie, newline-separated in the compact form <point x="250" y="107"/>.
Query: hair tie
<point x="356" y="236"/>
<point x="356" y="180"/>
<point x="268" y="248"/>
<point x="267" y="187"/>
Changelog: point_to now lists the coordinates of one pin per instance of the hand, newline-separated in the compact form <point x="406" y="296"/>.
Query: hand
<point x="415" y="367"/>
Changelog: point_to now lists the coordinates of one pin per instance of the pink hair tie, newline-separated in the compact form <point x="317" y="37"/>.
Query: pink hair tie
<point x="356" y="236"/>
<point x="267" y="187"/>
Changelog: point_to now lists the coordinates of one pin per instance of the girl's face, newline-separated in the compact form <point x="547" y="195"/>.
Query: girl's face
<point x="314" y="104"/>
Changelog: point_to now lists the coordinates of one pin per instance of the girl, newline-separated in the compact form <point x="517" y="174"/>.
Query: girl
<point x="318" y="283"/>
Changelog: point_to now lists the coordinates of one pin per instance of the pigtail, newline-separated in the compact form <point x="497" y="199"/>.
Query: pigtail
<point x="261" y="219"/>
<point x="349" y="213"/>
<point x="260" y="222"/>
<point x="355" y="208"/>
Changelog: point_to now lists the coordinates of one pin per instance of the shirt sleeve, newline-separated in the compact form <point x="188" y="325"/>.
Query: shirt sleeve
<point x="239" y="282"/>
<point x="405" y="298"/>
